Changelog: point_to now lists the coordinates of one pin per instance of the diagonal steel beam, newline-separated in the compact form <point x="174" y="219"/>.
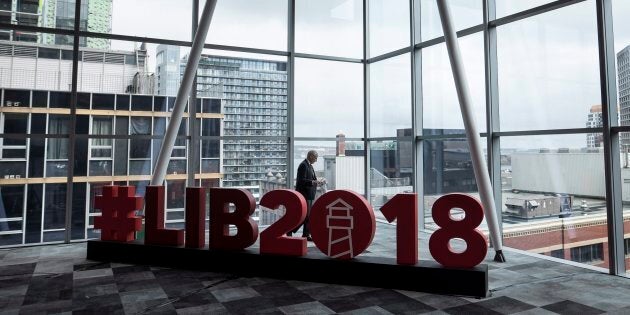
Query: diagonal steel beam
<point x="159" y="173"/>
<point x="465" y="103"/>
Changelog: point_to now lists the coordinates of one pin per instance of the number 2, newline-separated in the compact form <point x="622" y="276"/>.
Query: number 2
<point x="273" y="239"/>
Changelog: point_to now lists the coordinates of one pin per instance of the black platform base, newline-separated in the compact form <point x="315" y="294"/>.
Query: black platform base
<point x="362" y="271"/>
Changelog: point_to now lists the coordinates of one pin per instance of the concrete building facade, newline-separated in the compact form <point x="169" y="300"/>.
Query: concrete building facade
<point x="49" y="67"/>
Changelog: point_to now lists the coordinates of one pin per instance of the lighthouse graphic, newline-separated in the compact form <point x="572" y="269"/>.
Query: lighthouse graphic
<point x="339" y="223"/>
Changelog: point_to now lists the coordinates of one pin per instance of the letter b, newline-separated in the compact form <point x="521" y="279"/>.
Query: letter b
<point x="221" y="218"/>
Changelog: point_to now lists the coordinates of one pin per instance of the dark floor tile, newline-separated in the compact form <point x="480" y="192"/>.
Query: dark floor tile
<point x="251" y="306"/>
<point x="200" y="298"/>
<point x="137" y="285"/>
<point x="52" y="307"/>
<point x="16" y="270"/>
<point x="441" y="301"/>
<point x="91" y="266"/>
<point x="506" y="305"/>
<point x="468" y="309"/>
<point x="98" y="304"/>
<point x="48" y="289"/>
<point x="282" y="293"/>
<point x="383" y="297"/>
<point x="110" y="310"/>
<point x="176" y="290"/>
<point x="11" y="302"/>
<point x="89" y="292"/>
<point x="95" y="281"/>
<point x="570" y="307"/>
<point x="409" y="307"/>
<point x="130" y="269"/>
<point x="344" y="304"/>
<point x="213" y="309"/>
<point x="9" y="282"/>
<point x="132" y="305"/>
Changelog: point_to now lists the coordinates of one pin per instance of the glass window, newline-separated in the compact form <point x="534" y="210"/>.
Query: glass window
<point x="447" y="169"/>
<point x="441" y="108"/>
<point x="391" y="171"/>
<point x="261" y="24"/>
<point x="465" y="14"/>
<point x="390" y="96"/>
<point x="103" y="101"/>
<point x="166" y="19"/>
<point x="55" y="206"/>
<point x="12" y="203"/>
<point x="175" y="194"/>
<point x="14" y="123"/>
<point x="549" y="69"/>
<point x="622" y="51"/>
<point x="388" y="26"/>
<point x="140" y="126"/>
<point x="48" y="53"/>
<point x="507" y="7"/>
<point x="323" y="88"/>
<point x="40" y="99"/>
<point x="329" y="27"/>
<point x="16" y="98"/>
<point x="553" y="194"/>
<point x="59" y="100"/>
<point x="247" y="162"/>
<point x="211" y="127"/>
<point x="588" y="254"/>
<point x="340" y="163"/>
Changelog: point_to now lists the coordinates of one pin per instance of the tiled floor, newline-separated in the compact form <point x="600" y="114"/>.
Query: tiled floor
<point x="58" y="279"/>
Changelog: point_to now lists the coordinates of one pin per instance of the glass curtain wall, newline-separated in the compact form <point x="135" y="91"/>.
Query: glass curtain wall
<point x="366" y="83"/>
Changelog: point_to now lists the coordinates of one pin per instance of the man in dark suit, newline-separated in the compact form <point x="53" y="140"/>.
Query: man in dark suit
<point x="306" y="184"/>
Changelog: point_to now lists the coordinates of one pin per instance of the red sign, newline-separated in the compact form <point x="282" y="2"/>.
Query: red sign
<point x="342" y="223"/>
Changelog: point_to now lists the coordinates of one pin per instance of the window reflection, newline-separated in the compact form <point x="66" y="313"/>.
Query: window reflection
<point x="343" y="95"/>
<point x="554" y="198"/>
<point x="549" y="69"/>
<point x="329" y="27"/>
<point x="390" y="96"/>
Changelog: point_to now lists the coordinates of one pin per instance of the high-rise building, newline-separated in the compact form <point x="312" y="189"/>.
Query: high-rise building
<point x="254" y="94"/>
<point x="594" y="120"/>
<point x="623" y="81"/>
<point x="95" y="17"/>
<point x="167" y="69"/>
<point x="20" y="12"/>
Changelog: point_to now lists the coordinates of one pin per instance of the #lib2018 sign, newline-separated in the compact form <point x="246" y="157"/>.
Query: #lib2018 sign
<point x="342" y="223"/>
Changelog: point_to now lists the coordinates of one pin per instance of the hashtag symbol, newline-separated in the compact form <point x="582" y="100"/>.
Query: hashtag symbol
<point x="118" y="221"/>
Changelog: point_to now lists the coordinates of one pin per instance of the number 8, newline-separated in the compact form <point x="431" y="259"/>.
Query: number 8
<point x="476" y="243"/>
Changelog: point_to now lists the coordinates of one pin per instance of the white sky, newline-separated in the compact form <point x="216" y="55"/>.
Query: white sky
<point x="548" y="65"/>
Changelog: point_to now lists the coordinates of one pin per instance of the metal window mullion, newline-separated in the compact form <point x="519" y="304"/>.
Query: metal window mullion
<point x="193" y="155"/>
<point x="612" y="163"/>
<point x="366" y="100"/>
<point x="290" y="93"/>
<point x="492" y="105"/>
<point x="73" y="120"/>
<point x="548" y="7"/>
<point x="416" y="109"/>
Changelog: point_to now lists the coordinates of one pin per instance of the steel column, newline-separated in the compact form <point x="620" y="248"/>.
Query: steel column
<point x="463" y="93"/>
<point x="159" y="173"/>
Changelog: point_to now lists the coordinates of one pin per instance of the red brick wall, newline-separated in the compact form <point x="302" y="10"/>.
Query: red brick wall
<point x="571" y="236"/>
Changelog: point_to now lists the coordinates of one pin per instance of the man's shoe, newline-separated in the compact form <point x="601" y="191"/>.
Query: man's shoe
<point x="308" y="238"/>
<point x="290" y="234"/>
